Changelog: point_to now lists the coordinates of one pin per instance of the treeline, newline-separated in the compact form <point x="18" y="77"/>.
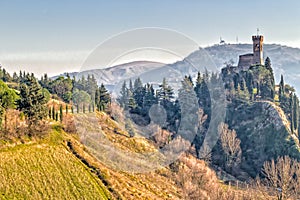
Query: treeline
<point x="138" y="98"/>
<point x="23" y="92"/>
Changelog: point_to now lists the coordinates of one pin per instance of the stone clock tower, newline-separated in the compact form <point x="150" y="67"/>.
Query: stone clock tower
<point x="258" y="49"/>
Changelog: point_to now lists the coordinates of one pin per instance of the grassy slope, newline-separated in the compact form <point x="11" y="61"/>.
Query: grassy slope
<point x="46" y="170"/>
<point x="150" y="185"/>
<point x="60" y="167"/>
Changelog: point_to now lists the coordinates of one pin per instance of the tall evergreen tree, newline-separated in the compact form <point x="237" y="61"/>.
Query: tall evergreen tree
<point x="292" y="117"/>
<point x="281" y="89"/>
<point x="32" y="101"/>
<point x="123" y="98"/>
<point x="295" y="112"/>
<point x="49" y="112"/>
<point x="250" y="84"/>
<point x="91" y="86"/>
<point x="149" y="98"/>
<point x="202" y="92"/>
<point x="138" y="94"/>
<point x="270" y="79"/>
<point x="53" y="112"/>
<point x="61" y="113"/>
<point x="104" y="98"/>
<point x="165" y="92"/>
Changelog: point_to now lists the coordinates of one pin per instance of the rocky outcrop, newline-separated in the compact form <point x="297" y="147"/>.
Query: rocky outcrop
<point x="264" y="133"/>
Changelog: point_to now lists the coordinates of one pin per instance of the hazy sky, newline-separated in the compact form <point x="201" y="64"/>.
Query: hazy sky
<point x="56" y="36"/>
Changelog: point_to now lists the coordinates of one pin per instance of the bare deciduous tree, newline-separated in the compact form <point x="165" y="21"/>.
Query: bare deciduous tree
<point x="230" y="145"/>
<point x="282" y="176"/>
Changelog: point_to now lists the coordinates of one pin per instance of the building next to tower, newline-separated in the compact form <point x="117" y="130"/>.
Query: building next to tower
<point x="255" y="58"/>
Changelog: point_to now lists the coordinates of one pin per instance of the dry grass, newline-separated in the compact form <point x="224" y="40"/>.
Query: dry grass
<point x="46" y="170"/>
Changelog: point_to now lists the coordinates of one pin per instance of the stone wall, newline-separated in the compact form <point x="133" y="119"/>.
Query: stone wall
<point x="245" y="61"/>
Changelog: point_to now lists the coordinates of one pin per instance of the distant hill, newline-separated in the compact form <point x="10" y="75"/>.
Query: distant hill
<point x="285" y="60"/>
<point x="113" y="75"/>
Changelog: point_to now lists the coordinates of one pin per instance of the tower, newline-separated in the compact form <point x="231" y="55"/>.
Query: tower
<point x="258" y="49"/>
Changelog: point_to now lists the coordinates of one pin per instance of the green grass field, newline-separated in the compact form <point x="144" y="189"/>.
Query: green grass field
<point x="46" y="170"/>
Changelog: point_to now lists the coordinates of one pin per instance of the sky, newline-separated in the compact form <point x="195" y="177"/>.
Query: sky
<point x="57" y="36"/>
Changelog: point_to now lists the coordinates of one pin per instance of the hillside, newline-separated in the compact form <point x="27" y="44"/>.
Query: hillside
<point x="61" y="167"/>
<point x="46" y="170"/>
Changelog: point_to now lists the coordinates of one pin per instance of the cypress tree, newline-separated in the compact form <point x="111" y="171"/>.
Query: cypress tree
<point x="281" y="89"/>
<point x="292" y="117"/>
<point x="269" y="80"/>
<point x="61" y="113"/>
<point x="67" y="109"/>
<point x="49" y="112"/>
<point x="56" y="116"/>
<point x="295" y="112"/>
<point x="77" y="105"/>
<point x="53" y="112"/>
<point x="72" y="109"/>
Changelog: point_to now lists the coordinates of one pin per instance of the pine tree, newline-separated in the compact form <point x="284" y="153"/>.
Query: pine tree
<point x="131" y="102"/>
<point x="130" y="86"/>
<point x="149" y="98"/>
<point x="189" y="109"/>
<point x="32" y="101"/>
<point x="91" y="86"/>
<point x="123" y="98"/>
<point x="15" y="78"/>
<point x="165" y="92"/>
<point x="72" y="109"/>
<point x="202" y="92"/>
<point x="138" y="94"/>
<point x="104" y="98"/>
